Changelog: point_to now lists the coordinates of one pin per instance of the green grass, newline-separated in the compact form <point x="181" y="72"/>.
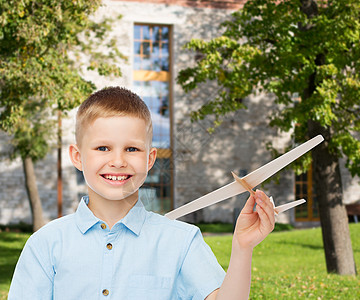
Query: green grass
<point x="291" y="265"/>
<point x="10" y="248"/>
<point x="287" y="265"/>
<point x="229" y="228"/>
<point x="216" y="227"/>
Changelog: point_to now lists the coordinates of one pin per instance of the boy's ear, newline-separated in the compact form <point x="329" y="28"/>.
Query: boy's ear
<point x="152" y="158"/>
<point x="75" y="156"/>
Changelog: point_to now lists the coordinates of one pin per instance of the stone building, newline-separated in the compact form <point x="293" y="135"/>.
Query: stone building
<point x="191" y="162"/>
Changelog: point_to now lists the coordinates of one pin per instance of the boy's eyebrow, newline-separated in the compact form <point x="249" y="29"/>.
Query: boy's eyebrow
<point x="132" y="141"/>
<point x="143" y="143"/>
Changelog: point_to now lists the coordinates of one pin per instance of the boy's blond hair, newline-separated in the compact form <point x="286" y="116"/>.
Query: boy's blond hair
<point x="111" y="102"/>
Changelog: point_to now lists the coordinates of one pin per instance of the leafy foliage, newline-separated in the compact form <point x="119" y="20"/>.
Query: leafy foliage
<point x="43" y="45"/>
<point x="308" y="59"/>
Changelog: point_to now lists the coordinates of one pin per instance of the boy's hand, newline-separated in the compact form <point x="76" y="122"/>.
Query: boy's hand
<point x="253" y="226"/>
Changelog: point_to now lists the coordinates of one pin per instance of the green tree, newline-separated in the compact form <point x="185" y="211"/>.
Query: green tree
<point x="304" y="48"/>
<point x="44" y="45"/>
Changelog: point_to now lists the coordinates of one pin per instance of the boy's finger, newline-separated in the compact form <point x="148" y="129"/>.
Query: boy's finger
<point x="266" y="224"/>
<point x="249" y="205"/>
<point x="269" y="209"/>
<point x="266" y="205"/>
<point x="261" y="195"/>
<point x="265" y="198"/>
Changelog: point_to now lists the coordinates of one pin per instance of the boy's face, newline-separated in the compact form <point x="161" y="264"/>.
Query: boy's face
<point x="115" y="157"/>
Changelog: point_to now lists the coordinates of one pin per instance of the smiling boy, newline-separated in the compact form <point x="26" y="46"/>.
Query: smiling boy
<point x="115" y="155"/>
<point x="112" y="248"/>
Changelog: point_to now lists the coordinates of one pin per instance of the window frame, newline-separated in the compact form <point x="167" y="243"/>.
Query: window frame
<point x="163" y="76"/>
<point x="310" y="197"/>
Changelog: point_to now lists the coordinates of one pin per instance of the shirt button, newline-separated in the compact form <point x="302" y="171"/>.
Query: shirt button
<point x="109" y="246"/>
<point x="105" y="292"/>
<point x="103" y="226"/>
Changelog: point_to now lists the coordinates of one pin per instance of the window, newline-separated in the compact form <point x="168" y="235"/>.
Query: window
<point x="151" y="77"/>
<point x="305" y="188"/>
<point x="151" y="48"/>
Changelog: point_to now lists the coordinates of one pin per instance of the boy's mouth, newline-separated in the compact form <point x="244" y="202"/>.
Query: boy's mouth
<point x="116" y="178"/>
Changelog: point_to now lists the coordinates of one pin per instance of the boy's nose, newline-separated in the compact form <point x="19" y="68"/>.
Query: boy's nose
<point x="118" y="161"/>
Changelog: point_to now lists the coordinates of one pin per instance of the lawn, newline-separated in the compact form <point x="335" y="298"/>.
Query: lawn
<point x="10" y="248"/>
<point x="291" y="265"/>
<point x="287" y="265"/>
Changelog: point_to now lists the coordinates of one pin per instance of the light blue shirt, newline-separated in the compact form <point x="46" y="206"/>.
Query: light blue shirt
<point x="144" y="256"/>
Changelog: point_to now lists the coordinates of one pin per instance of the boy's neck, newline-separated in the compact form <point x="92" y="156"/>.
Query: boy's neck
<point x="110" y="211"/>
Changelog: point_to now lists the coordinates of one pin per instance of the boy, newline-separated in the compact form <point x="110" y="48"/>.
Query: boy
<point x="111" y="248"/>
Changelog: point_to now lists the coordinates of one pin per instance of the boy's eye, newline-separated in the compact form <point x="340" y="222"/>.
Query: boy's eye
<point x="103" y="148"/>
<point x="132" y="149"/>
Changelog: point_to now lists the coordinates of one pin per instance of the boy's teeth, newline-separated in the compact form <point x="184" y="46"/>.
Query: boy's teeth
<point x="111" y="177"/>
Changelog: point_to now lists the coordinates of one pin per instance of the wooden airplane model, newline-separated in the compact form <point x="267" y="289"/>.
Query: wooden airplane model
<point x="249" y="181"/>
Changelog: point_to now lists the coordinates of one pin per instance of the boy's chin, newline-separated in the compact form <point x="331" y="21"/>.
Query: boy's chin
<point x="132" y="197"/>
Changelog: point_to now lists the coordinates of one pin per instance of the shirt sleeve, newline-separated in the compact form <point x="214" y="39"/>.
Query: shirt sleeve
<point x="200" y="273"/>
<point x="33" y="275"/>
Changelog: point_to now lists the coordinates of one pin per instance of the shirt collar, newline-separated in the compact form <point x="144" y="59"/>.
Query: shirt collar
<point x="85" y="219"/>
<point x="134" y="220"/>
